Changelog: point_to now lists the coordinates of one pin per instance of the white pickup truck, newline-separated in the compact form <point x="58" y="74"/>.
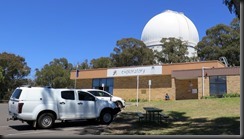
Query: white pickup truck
<point x="41" y="106"/>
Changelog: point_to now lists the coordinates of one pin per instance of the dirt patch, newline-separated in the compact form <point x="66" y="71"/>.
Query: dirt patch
<point x="123" y="124"/>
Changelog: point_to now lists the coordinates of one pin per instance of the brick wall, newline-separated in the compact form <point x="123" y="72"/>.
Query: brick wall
<point x="126" y="87"/>
<point x="83" y="84"/>
<point x="233" y="84"/>
<point x="206" y="87"/>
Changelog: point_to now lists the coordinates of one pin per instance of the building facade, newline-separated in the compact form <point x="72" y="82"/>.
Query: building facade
<point x="191" y="80"/>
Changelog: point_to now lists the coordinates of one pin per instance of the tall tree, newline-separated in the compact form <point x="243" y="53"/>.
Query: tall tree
<point x="1" y="74"/>
<point x="173" y="51"/>
<point x="14" y="71"/>
<point x="102" y="62"/>
<point x="55" y="74"/>
<point x="131" y="52"/>
<point x="221" y="40"/>
<point x="233" y="6"/>
<point x="84" y="65"/>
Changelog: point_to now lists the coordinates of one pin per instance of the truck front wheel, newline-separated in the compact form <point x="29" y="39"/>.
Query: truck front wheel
<point x="45" y="120"/>
<point x="106" y="117"/>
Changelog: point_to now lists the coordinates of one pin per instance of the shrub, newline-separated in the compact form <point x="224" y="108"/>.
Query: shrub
<point x="231" y="95"/>
<point x="222" y="96"/>
<point x="210" y="97"/>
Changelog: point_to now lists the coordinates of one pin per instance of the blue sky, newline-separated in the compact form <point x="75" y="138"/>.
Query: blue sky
<point x="41" y="30"/>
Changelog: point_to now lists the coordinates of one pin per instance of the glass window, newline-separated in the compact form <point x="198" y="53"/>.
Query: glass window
<point x="16" y="93"/>
<point x="108" y="84"/>
<point x="103" y="81"/>
<point x="85" y="96"/>
<point x="105" y="94"/>
<point x="70" y="95"/>
<point x="95" y="93"/>
<point x="217" y="85"/>
<point x="95" y="82"/>
<point x="99" y="93"/>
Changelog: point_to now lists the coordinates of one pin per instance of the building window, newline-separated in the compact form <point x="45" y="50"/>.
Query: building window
<point x="106" y="84"/>
<point x="217" y="85"/>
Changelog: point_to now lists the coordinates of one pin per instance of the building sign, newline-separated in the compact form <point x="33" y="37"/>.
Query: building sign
<point x="146" y="70"/>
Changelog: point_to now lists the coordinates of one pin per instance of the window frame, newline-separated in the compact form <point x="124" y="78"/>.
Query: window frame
<point x="63" y="93"/>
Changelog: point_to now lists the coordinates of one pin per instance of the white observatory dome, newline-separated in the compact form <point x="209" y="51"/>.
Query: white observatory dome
<point x="170" y="24"/>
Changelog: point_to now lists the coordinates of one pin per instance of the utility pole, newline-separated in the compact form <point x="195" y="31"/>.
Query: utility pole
<point x="76" y="74"/>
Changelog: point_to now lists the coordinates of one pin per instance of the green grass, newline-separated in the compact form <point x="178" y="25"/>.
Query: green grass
<point x="219" y="116"/>
<point x="208" y="108"/>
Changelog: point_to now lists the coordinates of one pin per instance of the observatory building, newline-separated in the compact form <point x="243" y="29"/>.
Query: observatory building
<point x="190" y="80"/>
<point x="170" y="24"/>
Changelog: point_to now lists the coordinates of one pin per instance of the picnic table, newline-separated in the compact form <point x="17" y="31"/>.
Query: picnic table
<point x="153" y="114"/>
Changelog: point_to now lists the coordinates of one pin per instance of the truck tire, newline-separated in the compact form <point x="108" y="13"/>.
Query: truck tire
<point x="106" y="117"/>
<point x="45" y="120"/>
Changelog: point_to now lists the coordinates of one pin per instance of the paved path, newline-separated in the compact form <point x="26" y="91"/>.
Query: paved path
<point x="19" y="129"/>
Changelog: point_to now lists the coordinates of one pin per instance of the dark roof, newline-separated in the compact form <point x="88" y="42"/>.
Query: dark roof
<point x="188" y="74"/>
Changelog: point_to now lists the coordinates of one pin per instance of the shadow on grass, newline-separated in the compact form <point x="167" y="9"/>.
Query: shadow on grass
<point x="179" y="124"/>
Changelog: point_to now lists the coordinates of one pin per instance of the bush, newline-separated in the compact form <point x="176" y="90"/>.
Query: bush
<point x="210" y="97"/>
<point x="229" y="95"/>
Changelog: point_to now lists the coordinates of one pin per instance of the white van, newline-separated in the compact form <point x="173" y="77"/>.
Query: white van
<point x="101" y="94"/>
<point x="41" y="106"/>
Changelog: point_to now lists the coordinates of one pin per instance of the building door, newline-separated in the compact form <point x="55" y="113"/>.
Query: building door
<point x="106" y="84"/>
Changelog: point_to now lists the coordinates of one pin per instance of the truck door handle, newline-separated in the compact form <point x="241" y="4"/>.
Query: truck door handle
<point x="61" y="102"/>
<point x="80" y="103"/>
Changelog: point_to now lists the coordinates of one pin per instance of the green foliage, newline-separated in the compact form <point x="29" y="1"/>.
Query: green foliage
<point x="231" y="95"/>
<point x="210" y="97"/>
<point x="102" y="62"/>
<point x="1" y="74"/>
<point x="221" y="40"/>
<point x="13" y="72"/>
<point x="233" y="6"/>
<point x="173" y="51"/>
<point x="84" y="65"/>
<point x="226" y="95"/>
<point x="131" y="52"/>
<point x="55" y="74"/>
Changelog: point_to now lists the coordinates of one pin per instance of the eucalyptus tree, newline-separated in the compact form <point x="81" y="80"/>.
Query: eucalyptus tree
<point x="221" y="40"/>
<point x="102" y="62"/>
<point x="233" y="6"/>
<point x="13" y="73"/>
<point x="173" y="51"/>
<point x="131" y="52"/>
<point x="55" y="74"/>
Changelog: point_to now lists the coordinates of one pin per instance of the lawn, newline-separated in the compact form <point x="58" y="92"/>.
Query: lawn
<point x="216" y="116"/>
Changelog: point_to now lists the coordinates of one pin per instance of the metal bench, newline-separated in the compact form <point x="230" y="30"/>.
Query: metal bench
<point x="163" y="117"/>
<point x="141" y="116"/>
